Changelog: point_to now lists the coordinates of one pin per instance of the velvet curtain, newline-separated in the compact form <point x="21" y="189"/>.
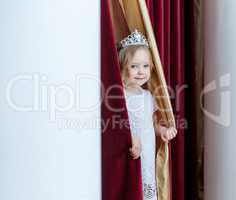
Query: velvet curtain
<point x="195" y="70"/>
<point x="168" y="22"/>
<point x="121" y="178"/>
<point x="120" y="174"/>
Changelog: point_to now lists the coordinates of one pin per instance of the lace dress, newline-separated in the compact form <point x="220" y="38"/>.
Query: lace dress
<point x="140" y="110"/>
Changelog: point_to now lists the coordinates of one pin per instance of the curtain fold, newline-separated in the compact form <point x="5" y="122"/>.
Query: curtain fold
<point x="168" y="22"/>
<point x="121" y="176"/>
<point x="195" y="70"/>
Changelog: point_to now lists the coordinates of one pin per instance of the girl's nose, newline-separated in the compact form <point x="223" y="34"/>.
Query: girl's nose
<point x="140" y="70"/>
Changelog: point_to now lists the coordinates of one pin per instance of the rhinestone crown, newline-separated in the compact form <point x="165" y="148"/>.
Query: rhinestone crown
<point x="135" y="38"/>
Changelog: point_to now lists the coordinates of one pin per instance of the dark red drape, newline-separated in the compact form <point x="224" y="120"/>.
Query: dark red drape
<point x="168" y="22"/>
<point x="194" y="137"/>
<point x="120" y="174"/>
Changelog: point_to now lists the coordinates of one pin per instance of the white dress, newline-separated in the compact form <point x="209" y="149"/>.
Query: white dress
<point x="140" y="110"/>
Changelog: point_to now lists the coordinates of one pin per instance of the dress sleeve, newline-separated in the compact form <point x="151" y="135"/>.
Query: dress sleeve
<point x="134" y="124"/>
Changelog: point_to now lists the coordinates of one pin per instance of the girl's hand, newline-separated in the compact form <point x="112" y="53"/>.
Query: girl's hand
<point x="167" y="133"/>
<point x="135" y="150"/>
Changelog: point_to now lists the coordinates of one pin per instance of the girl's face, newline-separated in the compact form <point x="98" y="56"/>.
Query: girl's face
<point x="138" y="68"/>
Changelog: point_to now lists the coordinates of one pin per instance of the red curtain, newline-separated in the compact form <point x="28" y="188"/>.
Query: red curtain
<point x="194" y="137"/>
<point x="120" y="174"/>
<point x="167" y="18"/>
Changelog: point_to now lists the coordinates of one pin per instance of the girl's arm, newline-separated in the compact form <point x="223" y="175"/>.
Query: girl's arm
<point x="165" y="133"/>
<point x="135" y="150"/>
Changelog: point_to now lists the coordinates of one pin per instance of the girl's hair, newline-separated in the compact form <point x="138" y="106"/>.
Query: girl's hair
<point x="127" y="53"/>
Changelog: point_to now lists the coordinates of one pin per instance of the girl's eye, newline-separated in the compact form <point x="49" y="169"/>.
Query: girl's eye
<point x="146" y="65"/>
<point x="134" y="66"/>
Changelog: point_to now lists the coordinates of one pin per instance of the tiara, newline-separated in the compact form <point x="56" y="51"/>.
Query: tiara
<point x="135" y="38"/>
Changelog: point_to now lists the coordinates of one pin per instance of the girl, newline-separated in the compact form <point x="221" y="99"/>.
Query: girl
<point x="136" y="68"/>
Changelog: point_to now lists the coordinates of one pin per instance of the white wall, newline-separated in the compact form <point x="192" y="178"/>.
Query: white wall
<point x="220" y="126"/>
<point x="49" y="147"/>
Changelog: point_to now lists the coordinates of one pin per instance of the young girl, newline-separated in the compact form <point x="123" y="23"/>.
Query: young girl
<point x="136" y="68"/>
